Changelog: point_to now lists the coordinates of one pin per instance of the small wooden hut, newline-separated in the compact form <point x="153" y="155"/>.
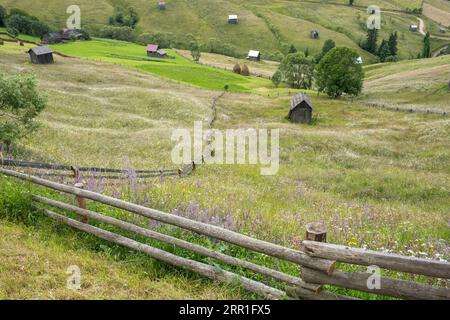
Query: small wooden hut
<point x="442" y="29"/>
<point x="301" y="109"/>
<point x="315" y="34"/>
<point x="41" y="55"/>
<point x="413" y="28"/>
<point x="254" y="55"/>
<point x="152" y="50"/>
<point x="232" y="19"/>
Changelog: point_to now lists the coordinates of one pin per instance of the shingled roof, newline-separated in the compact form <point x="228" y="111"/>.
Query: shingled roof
<point x="41" y="50"/>
<point x="298" y="99"/>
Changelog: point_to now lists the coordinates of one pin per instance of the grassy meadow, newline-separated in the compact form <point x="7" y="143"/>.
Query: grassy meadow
<point x="379" y="179"/>
<point x="263" y="25"/>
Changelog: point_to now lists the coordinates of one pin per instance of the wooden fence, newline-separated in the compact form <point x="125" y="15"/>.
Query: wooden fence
<point x="64" y="171"/>
<point x="316" y="258"/>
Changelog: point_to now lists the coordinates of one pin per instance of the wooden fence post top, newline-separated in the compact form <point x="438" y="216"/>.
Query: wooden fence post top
<point x="316" y="231"/>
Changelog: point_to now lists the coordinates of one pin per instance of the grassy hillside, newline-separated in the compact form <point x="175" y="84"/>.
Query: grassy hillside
<point x="379" y="179"/>
<point x="415" y="84"/>
<point x="263" y="26"/>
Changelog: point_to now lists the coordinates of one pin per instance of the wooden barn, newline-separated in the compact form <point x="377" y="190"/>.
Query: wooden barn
<point x="442" y="29"/>
<point x="315" y="34"/>
<point x="162" y="5"/>
<point x="301" y="109"/>
<point x="413" y="28"/>
<point x="254" y="55"/>
<point x="232" y="19"/>
<point x="41" y="55"/>
<point x="65" y="35"/>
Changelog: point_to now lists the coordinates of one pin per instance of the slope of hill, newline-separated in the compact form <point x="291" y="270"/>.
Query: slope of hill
<point x="415" y="84"/>
<point x="263" y="25"/>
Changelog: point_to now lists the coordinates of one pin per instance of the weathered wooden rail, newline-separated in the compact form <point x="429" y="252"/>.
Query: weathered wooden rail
<point x="316" y="259"/>
<point x="94" y="172"/>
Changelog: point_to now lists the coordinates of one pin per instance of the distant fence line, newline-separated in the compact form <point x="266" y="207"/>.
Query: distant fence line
<point x="316" y="258"/>
<point x="404" y="109"/>
<point x="97" y="172"/>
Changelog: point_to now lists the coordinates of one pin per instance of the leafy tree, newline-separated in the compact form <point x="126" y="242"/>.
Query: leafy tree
<point x="19" y="12"/>
<point x="327" y="46"/>
<point x="393" y="42"/>
<point x="338" y="73"/>
<point x="276" y="78"/>
<point x="350" y="2"/>
<point x="297" y="71"/>
<point x="20" y="104"/>
<point x="3" y="14"/>
<point x="383" y="51"/>
<point x="27" y="25"/>
<point x="195" y="51"/>
<point x="237" y="68"/>
<point x="245" y="71"/>
<point x="426" y="52"/>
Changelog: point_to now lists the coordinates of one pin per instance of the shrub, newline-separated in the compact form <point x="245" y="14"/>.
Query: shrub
<point x="124" y="17"/>
<point x="216" y="46"/>
<point x="20" y="103"/>
<point x="163" y="39"/>
<point x="27" y="25"/>
<point x="3" y="15"/>
<point x="117" y="33"/>
<point x="276" y="78"/>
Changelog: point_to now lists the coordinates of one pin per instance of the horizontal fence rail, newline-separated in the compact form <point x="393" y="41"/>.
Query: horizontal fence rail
<point x="316" y="258"/>
<point x="99" y="173"/>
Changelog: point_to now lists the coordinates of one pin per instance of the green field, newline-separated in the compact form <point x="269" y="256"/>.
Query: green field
<point x="179" y="68"/>
<point x="294" y="21"/>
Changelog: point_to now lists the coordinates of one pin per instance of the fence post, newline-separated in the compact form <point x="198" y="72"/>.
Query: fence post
<point x="316" y="231"/>
<point x="81" y="202"/>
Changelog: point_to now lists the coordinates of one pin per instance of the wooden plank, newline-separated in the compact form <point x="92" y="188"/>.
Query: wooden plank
<point x="305" y="294"/>
<point x="180" y="243"/>
<point x="389" y="261"/>
<point x="195" y="226"/>
<point x="388" y="287"/>
<point x="205" y="270"/>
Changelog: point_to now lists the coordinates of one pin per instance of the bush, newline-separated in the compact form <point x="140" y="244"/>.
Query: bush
<point x="338" y="73"/>
<point x="214" y="45"/>
<point x="124" y="17"/>
<point x="20" y="103"/>
<point x="3" y="15"/>
<point x="27" y="25"/>
<point x="117" y="33"/>
<point x="162" y="39"/>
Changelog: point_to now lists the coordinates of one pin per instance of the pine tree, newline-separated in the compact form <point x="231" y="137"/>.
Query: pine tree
<point x="383" y="51"/>
<point x="426" y="52"/>
<point x="372" y="38"/>
<point x="393" y="42"/>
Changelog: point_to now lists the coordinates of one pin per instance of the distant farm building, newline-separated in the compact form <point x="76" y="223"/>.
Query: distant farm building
<point x="63" y="36"/>
<point x="301" y="109"/>
<point x="314" y="34"/>
<point x="232" y="19"/>
<point x="359" y="60"/>
<point x="41" y="55"/>
<point x="413" y="28"/>
<point x="154" y="51"/>
<point x="162" y="5"/>
<point x="254" y="55"/>
<point x="442" y="29"/>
